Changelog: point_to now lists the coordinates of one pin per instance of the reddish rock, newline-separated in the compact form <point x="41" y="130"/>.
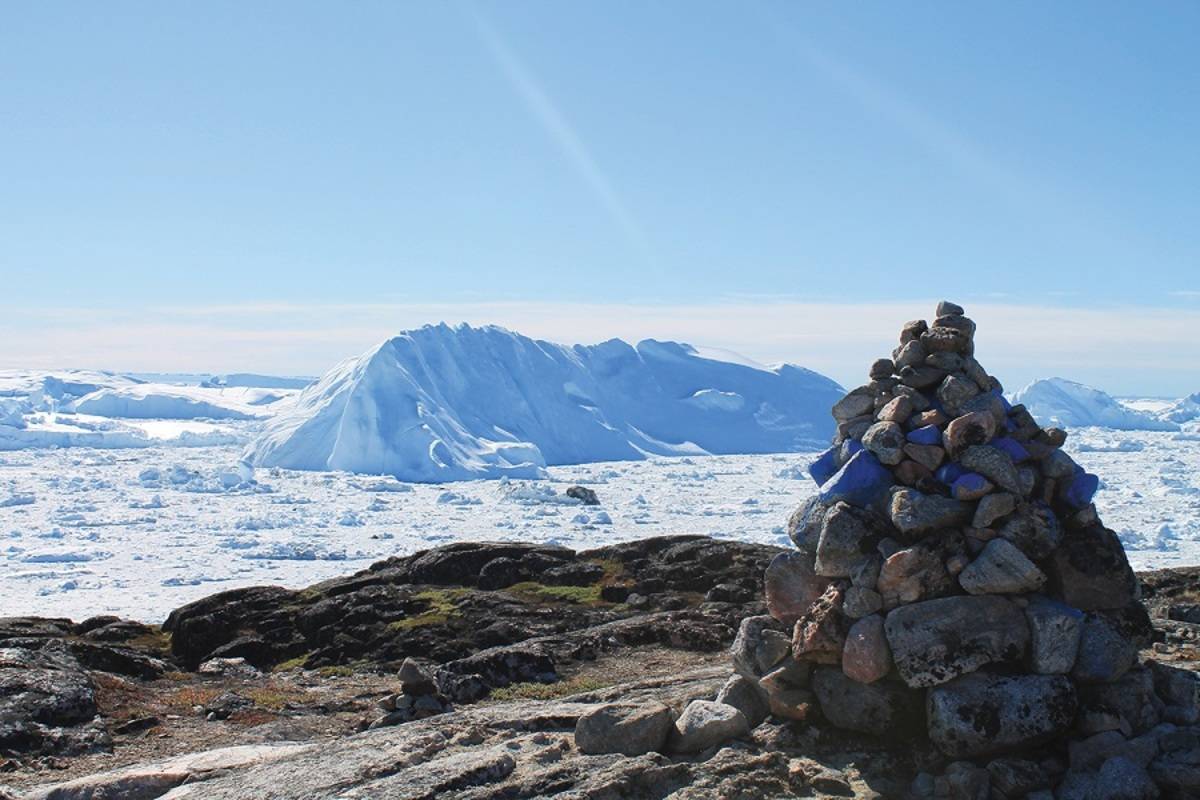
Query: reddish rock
<point x="866" y="657"/>
<point x="821" y="633"/>
<point x="916" y="573"/>
<point x="792" y="586"/>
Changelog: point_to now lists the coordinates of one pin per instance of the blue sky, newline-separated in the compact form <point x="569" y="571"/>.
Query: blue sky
<point x="268" y="186"/>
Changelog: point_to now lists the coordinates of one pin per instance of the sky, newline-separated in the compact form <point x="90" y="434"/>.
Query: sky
<point x="275" y="186"/>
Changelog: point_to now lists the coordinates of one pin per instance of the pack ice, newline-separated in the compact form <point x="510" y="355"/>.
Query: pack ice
<point x="1057" y="401"/>
<point x="445" y="403"/>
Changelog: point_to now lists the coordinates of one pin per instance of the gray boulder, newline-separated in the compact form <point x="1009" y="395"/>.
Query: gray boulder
<point x="759" y="646"/>
<point x="886" y="440"/>
<point x="982" y="714"/>
<point x="914" y="512"/>
<point x="937" y="640"/>
<point x="881" y="708"/>
<point x="1105" y="652"/>
<point x="845" y="542"/>
<point x="1090" y="572"/>
<point x="1001" y="569"/>
<point x="1054" y="631"/>
<point x="994" y="464"/>
<point x="746" y="696"/>
<point x="704" y="724"/>
<point x="631" y="729"/>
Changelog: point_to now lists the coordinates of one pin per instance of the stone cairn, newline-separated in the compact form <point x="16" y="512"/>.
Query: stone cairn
<point x="952" y="585"/>
<point x="419" y="697"/>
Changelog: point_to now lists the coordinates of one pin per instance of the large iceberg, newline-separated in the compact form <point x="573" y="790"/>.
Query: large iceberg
<point x="1057" y="401"/>
<point x="448" y="403"/>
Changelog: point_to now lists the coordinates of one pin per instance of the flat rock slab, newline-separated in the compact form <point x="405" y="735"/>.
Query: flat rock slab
<point x="937" y="640"/>
<point x="981" y="714"/>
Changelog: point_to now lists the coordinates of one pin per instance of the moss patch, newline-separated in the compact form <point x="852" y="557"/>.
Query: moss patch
<point x="547" y="691"/>
<point x="577" y="595"/>
<point x="441" y="607"/>
<point x="292" y="663"/>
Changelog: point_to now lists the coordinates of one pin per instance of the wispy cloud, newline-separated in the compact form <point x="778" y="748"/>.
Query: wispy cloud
<point x="561" y="132"/>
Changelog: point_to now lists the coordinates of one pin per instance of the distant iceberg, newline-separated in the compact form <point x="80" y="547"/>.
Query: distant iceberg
<point x="448" y="403"/>
<point x="1057" y="401"/>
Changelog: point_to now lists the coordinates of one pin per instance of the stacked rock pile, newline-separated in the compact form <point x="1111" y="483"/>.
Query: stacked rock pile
<point x="952" y="580"/>
<point x="418" y="698"/>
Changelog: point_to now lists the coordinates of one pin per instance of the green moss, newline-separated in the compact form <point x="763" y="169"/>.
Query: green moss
<point x="547" y="691"/>
<point x="441" y="607"/>
<point x="614" y="572"/>
<point x="578" y="595"/>
<point x="335" y="672"/>
<point x="292" y="663"/>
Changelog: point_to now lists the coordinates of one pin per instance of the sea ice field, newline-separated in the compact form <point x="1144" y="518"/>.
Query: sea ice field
<point x="138" y="532"/>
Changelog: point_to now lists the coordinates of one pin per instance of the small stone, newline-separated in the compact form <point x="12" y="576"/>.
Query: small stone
<point x="929" y="456"/>
<point x="994" y="464"/>
<point x="921" y="376"/>
<point x="912" y="574"/>
<point x="915" y="512"/>
<point x="1055" y="437"/>
<point x="859" y="402"/>
<point x="958" y="322"/>
<point x="1014" y="777"/>
<point x="1054" y="631"/>
<point x="1001" y="569"/>
<point x="925" y="435"/>
<point x="758" y="646"/>
<point x="992" y="508"/>
<point x="792" y="586"/>
<point x="970" y="486"/>
<point x="820" y="634"/>
<point x="912" y="330"/>
<point x="746" y="696"/>
<point x="945" y="339"/>
<point x="853" y="429"/>
<point x="704" y="724"/>
<point x="1033" y="528"/>
<point x="948" y="362"/>
<point x="861" y="482"/>
<point x="886" y="441"/>
<point x="861" y="602"/>
<point x="981" y="714"/>
<point x="415" y="679"/>
<point x="584" y="495"/>
<point x="631" y="729"/>
<point x="954" y="391"/>
<point x="866" y="657"/>
<point x="786" y="698"/>
<point x="882" y="368"/>
<point x="881" y="708"/>
<point x="909" y="354"/>
<point x="933" y="416"/>
<point x="1058" y="465"/>
<point x="1090" y="571"/>
<point x="896" y="410"/>
<point x="804" y="525"/>
<point x="1105" y="654"/>
<point x="919" y="401"/>
<point x="911" y="473"/>
<point x="845" y="542"/>
<point x="935" y="641"/>
<point x="975" y="428"/>
<point x="945" y="309"/>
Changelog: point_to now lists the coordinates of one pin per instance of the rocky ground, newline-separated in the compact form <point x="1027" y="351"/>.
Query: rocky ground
<point x="267" y="692"/>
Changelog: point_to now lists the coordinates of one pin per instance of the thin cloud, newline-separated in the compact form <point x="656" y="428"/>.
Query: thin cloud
<point x="1124" y="350"/>
<point x="561" y="132"/>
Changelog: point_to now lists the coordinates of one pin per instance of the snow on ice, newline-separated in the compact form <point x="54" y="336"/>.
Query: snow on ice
<point x="88" y="526"/>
